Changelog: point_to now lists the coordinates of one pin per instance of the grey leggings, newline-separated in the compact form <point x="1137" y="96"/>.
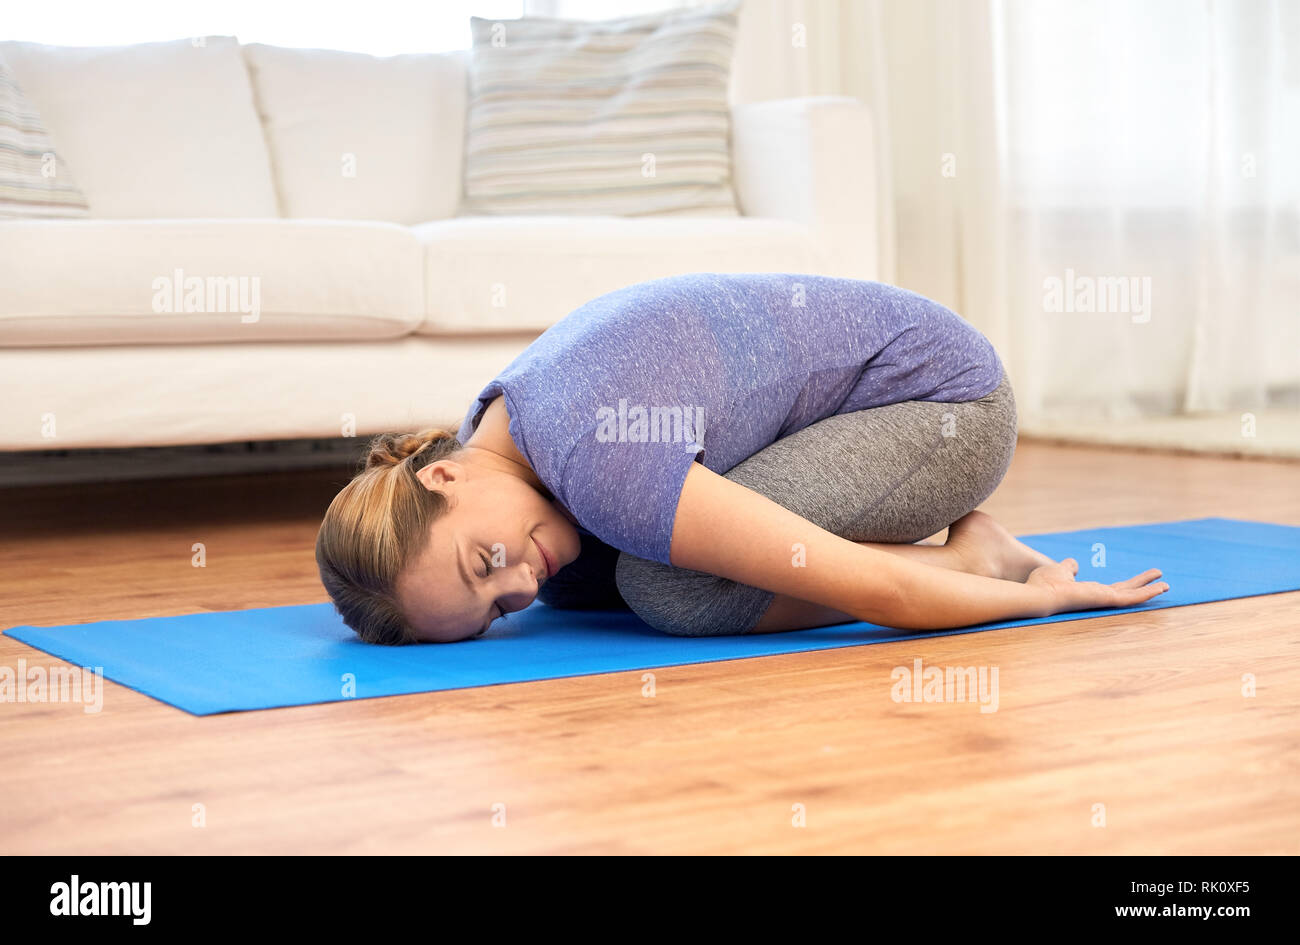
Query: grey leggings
<point x="898" y="473"/>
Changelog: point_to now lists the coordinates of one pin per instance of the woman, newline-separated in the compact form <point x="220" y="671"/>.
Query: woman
<point x="722" y="453"/>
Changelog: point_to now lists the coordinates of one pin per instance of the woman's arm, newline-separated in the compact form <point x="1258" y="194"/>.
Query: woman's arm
<point x="726" y="529"/>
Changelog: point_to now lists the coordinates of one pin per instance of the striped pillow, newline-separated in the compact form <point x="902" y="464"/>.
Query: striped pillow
<point x="34" y="182"/>
<point x="623" y="117"/>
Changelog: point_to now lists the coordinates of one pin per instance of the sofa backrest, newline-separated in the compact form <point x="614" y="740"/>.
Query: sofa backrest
<point x="207" y="128"/>
<point x="354" y="136"/>
<point x="155" y="129"/>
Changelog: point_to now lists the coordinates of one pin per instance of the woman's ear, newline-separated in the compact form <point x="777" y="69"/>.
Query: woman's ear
<point x="438" y="474"/>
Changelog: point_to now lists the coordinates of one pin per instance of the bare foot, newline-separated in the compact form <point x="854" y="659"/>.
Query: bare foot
<point x="991" y="550"/>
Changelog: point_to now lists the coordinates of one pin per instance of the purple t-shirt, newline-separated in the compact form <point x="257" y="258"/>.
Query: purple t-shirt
<point x="612" y="404"/>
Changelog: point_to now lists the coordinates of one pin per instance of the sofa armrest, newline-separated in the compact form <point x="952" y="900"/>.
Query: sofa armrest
<point x="812" y="160"/>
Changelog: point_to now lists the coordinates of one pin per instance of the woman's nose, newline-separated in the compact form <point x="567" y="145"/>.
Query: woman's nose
<point x="527" y="583"/>
<point x="533" y="576"/>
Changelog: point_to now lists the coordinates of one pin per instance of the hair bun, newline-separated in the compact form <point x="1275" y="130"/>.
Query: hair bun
<point x="392" y="449"/>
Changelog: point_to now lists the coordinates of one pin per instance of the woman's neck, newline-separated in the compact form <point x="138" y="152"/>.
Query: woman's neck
<point x="491" y="446"/>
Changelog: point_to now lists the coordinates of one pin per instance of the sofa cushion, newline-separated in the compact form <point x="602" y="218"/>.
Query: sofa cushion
<point x="159" y="395"/>
<point x="34" y="181"/>
<point x="153" y="130"/>
<point x="361" y="137"/>
<point x="94" y="282"/>
<point x="498" y="274"/>
<point x="627" y="116"/>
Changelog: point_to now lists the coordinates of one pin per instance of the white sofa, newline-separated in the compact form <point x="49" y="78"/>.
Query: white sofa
<point x="329" y="182"/>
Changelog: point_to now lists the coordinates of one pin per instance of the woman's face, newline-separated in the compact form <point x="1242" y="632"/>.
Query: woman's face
<point x="499" y="541"/>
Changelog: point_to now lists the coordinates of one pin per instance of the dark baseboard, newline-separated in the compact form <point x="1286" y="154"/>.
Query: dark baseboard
<point x="48" y="467"/>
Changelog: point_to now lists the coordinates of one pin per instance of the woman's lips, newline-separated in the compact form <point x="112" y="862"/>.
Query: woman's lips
<point x="546" y="559"/>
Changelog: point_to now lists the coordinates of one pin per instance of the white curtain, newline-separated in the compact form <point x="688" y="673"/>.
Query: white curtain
<point x="1146" y="146"/>
<point x="796" y="48"/>
<point x="1108" y="189"/>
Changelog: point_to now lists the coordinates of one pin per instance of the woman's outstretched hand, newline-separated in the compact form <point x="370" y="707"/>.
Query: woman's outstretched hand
<point x="1067" y="594"/>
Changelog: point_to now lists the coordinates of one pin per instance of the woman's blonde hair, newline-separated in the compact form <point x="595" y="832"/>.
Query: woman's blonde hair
<point x="375" y="526"/>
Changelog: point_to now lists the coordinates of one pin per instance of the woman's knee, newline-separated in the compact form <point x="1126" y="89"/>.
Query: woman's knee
<point x="973" y="453"/>
<point x="997" y="434"/>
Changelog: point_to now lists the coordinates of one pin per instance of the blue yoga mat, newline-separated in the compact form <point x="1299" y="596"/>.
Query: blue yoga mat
<point x="237" y="660"/>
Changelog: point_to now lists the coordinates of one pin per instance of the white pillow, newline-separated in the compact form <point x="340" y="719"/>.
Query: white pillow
<point x="155" y="129"/>
<point x="361" y="137"/>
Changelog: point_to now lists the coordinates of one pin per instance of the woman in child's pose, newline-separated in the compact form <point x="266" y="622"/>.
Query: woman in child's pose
<point x="724" y="454"/>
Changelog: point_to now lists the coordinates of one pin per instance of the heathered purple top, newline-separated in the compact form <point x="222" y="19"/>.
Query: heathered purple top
<point x="612" y="404"/>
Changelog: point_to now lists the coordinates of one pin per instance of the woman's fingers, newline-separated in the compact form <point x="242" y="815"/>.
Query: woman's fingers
<point x="1086" y="595"/>
<point x="1127" y="593"/>
<point x="1139" y="580"/>
<point x="1139" y="595"/>
<point x="1139" y="588"/>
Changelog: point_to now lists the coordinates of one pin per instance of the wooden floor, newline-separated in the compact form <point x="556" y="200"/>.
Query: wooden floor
<point x="1141" y="714"/>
